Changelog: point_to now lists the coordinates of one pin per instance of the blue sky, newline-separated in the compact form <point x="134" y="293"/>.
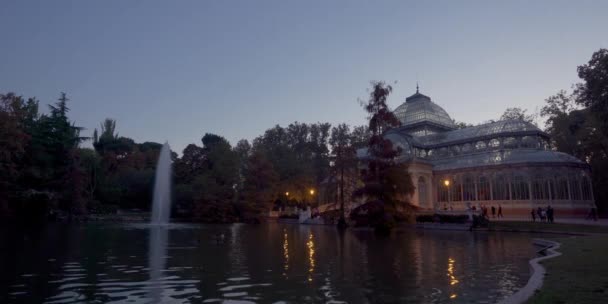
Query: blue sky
<point x="173" y="70"/>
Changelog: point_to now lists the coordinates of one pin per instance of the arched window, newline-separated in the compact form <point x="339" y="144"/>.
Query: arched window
<point x="468" y="188"/>
<point x="466" y="147"/>
<point x="530" y="142"/>
<point x="509" y="142"/>
<point x="480" y="145"/>
<point x="422" y="196"/>
<point x="562" y="188"/>
<point x="500" y="188"/>
<point x="494" y="143"/>
<point x="454" y="150"/>
<point x="519" y="188"/>
<point x="586" y="185"/>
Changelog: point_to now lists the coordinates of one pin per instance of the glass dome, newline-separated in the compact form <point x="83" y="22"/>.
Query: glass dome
<point x="419" y="108"/>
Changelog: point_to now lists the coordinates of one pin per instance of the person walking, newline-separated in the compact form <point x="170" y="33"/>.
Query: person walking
<point x="493" y="212"/>
<point x="549" y="214"/>
<point x="533" y="213"/>
<point x="500" y="211"/>
<point x="539" y="212"/>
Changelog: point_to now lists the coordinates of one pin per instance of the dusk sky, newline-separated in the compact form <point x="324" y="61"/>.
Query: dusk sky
<point x="174" y="70"/>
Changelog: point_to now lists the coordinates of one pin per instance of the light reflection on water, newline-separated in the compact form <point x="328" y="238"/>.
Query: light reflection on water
<point x="311" y="256"/>
<point x="258" y="264"/>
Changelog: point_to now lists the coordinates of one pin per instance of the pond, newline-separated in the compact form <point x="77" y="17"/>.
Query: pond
<point x="270" y="263"/>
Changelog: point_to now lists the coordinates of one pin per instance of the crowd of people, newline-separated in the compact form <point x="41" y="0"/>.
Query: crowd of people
<point x="543" y="214"/>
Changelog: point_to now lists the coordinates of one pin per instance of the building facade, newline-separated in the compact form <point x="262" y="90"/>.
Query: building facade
<point x="508" y="163"/>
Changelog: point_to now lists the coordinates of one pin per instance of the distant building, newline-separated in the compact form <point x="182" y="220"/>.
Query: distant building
<point x="505" y="162"/>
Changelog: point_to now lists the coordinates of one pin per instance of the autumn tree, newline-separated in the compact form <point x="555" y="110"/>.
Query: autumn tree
<point x="387" y="183"/>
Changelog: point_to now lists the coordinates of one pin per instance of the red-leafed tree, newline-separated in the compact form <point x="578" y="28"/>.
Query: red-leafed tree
<point x="387" y="183"/>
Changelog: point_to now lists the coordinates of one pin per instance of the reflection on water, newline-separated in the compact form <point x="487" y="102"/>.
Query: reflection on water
<point x="311" y="256"/>
<point x="453" y="280"/>
<point x="258" y="264"/>
<point x="157" y="252"/>
<point x="285" y="252"/>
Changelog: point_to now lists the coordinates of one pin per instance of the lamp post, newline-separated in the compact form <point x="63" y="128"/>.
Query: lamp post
<point x="446" y="182"/>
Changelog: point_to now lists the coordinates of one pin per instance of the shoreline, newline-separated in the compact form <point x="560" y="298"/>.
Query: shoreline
<point x="535" y="282"/>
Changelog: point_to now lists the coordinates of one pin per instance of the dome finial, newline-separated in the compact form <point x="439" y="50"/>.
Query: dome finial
<point x="416" y="87"/>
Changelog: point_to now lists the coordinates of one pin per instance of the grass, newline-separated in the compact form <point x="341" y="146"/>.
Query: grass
<point x="546" y="227"/>
<point x="579" y="275"/>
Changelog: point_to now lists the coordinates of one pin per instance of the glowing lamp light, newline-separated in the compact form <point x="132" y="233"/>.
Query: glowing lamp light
<point x="312" y="191"/>
<point x="446" y="182"/>
<point x="286" y="193"/>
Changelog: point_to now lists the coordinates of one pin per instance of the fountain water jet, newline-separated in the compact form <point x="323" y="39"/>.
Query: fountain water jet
<point x="159" y="234"/>
<point x="161" y="206"/>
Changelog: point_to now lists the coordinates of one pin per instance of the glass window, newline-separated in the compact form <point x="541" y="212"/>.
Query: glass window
<point x="483" y="189"/>
<point x="540" y="189"/>
<point x="575" y="188"/>
<point x="480" y="145"/>
<point x="500" y="188"/>
<point x="494" y="143"/>
<point x="519" y="188"/>
<point x="586" y="185"/>
<point x="456" y="190"/>
<point x="442" y="191"/>
<point x="422" y="192"/>
<point x="562" y="189"/>
<point x="530" y="142"/>
<point x="468" y="189"/>
<point x="510" y="142"/>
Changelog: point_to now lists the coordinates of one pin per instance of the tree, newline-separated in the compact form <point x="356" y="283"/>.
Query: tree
<point x="360" y="137"/>
<point x="593" y="91"/>
<point x="578" y="124"/>
<point x="260" y="187"/>
<point x="462" y="125"/>
<point x="218" y="179"/>
<point x="518" y="114"/>
<point x="385" y="180"/>
<point x="344" y="156"/>
<point x="13" y="142"/>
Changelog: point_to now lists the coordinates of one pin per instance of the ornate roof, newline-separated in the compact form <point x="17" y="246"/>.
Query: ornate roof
<point x="488" y="130"/>
<point x="419" y="108"/>
<point x="505" y="157"/>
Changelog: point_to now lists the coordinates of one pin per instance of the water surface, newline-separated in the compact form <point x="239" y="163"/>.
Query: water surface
<point x="113" y="263"/>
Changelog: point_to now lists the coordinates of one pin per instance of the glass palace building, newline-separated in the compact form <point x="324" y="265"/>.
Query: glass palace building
<point x="508" y="163"/>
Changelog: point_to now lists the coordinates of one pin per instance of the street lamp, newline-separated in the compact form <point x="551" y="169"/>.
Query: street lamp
<point x="312" y="191"/>
<point x="287" y="193"/>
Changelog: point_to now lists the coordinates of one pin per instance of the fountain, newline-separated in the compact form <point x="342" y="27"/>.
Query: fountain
<point x="161" y="206"/>
<point x="159" y="234"/>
